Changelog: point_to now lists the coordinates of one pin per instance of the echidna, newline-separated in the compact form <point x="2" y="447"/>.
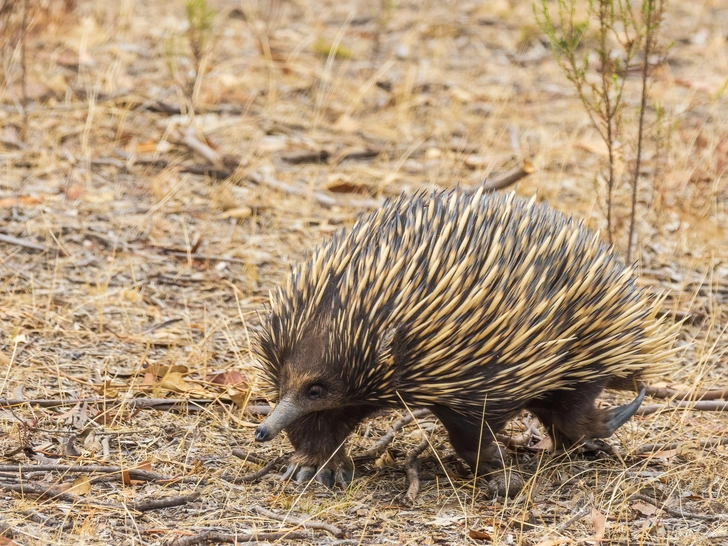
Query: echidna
<point x="472" y="305"/>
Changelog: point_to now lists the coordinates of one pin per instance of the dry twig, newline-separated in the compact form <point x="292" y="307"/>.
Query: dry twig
<point x="9" y="239"/>
<point x="703" y="444"/>
<point x="146" y="505"/>
<point x="705" y="394"/>
<point x="385" y="440"/>
<point x="306" y="523"/>
<point x="411" y="465"/>
<point x="216" y="537"/>
<point x="677" y="513"/>
<point x="706" y="405"/>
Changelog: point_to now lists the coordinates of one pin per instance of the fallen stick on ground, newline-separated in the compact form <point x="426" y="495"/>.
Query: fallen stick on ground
<point x="216" y="537"/>
<point x="306" y="523"/>
<point x="705" y="405"/>
<point x="385" y="440"/>
<point x="677" y="513"/>
<point x="705" y="394"/>
<point x="656" y="448"/>
<point x="145" y="505"/>
<point x="9" y="239"/>
<point x="411" y="465"/>
<point x="509" y="178"/>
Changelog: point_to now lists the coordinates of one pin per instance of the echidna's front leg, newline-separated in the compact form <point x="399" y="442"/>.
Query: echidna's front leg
<point x="473" y="442"/>
<point x="318" y="439"/>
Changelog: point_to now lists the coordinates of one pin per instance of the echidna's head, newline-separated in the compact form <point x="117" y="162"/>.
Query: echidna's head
<point x="328" y="363"/>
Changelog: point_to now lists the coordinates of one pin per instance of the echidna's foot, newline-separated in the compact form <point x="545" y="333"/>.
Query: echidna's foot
<point x="487" y="461"/>
<point x="329" y="477"/>
<point x="505" y="484"/>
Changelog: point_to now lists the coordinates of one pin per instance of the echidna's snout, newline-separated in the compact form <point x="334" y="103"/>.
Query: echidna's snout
<point x="282" y="415"/>
<point x="262" y="433"/>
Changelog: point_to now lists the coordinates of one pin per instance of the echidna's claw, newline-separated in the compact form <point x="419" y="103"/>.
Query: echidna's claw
<point x="344" y="476"/>
<point x="621" y="414"/>
<point x="305" y="474"/>
<point x="292" y="468"/>
<point x="326" y="477"/>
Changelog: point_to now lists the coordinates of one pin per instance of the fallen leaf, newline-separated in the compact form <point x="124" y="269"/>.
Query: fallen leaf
<point x="346" y="124"/>
<point x="385" y="460"/>
<point x="228" y="377"/>
<point x="555" y="542"/>
<point x="599" y="521"/>
<point x="174" y="381"/>
<point x="644" y="508"/>
<point x="145" y="147"/>
<point x="668" y="454"/>
<point x="23" y="201"/>
<point x="479" y="535"/>
<point x="81" y="486"/>
<point x="160" y="370"/>
<point x="237" y="212"/>
<point x="545" y="443"/>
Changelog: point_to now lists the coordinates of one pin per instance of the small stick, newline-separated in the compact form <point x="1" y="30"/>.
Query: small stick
<point x="677" y="513"/>
<point x="509" y="178"/>
<point x="190" y="140"/>
<point x="237" y="538"/>
<point x="412" y="466"/>
<point x="33" y="489"/>
<point x="705" y="394"/>
<point x="258" y="474"/>
<point x="703" y="444"/>
<point x="134" y="403"/>
<point x="9" y="239"/>
<point x="385" y="440"/>
<point x="166" y="502"/>
<point x="247" y="456"/>
<point x="298" y="521"/>
<point x="322" y="198"/>
<point x="135" y="474"/>
<point x="705" y="405"/>
<point x="580" y="513"/>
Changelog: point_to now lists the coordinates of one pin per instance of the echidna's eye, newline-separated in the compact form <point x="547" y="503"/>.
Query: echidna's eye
<point x="315" y="392"/>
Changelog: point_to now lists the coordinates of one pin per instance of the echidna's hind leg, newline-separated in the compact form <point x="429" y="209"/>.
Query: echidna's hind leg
<point x="572" y="417"/>
<point x="473" y="443"/>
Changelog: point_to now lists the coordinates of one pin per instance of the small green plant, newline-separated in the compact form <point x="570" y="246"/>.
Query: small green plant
<point x="614" y="33"/>
<point x="201" y="34"/>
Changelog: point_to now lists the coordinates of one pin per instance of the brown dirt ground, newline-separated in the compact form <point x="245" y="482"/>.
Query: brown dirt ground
<point x="138" y="276"/>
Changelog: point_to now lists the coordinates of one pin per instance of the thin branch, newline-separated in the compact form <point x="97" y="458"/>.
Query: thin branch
<point x="386" y="439"/>
<point x="509" y="178"/>
<point x="656" y="448"/>
<point x="9" y="239"/>
<point x="306" y="523"/>
<point x="411" y="465"/>
<point x="651" y="33"/>
<point x="146" y="505"/>
<point x="705" y="405"/>
<point x="677" y="513"/>
<point x="706" y="394"/>
<point x="216" y="537"/>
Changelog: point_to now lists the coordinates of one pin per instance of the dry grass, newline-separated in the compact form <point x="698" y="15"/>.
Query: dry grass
<point x="128" y="240"/>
